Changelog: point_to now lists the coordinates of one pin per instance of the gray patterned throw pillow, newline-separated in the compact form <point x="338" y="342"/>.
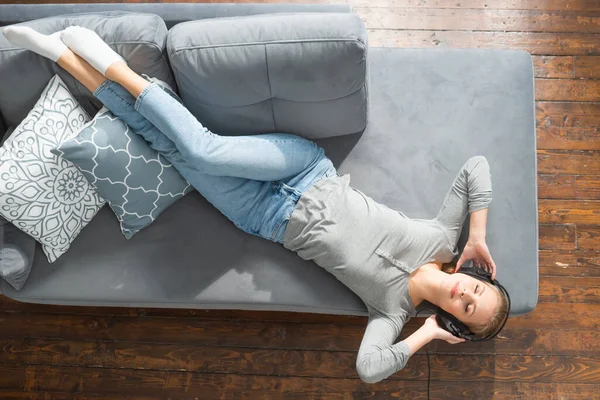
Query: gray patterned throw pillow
<point x="136" y="181"/>
<point x="44" y="195"/>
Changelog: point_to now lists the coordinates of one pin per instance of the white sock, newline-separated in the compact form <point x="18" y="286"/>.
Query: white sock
<point x="89" y="46"/>
<point x="49" y="46"/>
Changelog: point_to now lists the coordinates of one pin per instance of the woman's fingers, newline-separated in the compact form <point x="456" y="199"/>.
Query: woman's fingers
<point x="493" y="269"/>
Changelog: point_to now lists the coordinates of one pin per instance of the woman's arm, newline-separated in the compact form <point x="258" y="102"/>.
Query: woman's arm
<point x="418" y="339"/>
<point x="476" y="248"/>
<point x="477" y="225"/>
<point x="471" y="192"/>
<point x="379" y="357"/>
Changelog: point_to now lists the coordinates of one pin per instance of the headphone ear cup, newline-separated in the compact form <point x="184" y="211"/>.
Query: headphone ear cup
<point x="478" y="273"/>
<point x="447" y="322"/>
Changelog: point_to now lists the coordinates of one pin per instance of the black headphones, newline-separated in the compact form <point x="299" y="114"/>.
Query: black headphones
<point x="451" y="324"/>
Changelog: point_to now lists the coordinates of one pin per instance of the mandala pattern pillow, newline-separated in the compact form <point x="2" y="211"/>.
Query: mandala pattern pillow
<point x="46" y="196"/>
<point x="138" y="183"/>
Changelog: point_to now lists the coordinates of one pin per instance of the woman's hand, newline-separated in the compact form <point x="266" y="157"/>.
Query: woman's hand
<point x="477" y="250"/>
<point x="436" y="332"/>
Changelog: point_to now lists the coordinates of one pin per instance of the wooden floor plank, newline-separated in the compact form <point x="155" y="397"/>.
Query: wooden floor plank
<point x="569" y="263"/>
<point x="280" y="335"/>
<point x="515" y="368"/>
<point x="20" y="395"/>
<point x="190" y="384"/>
<point x="557" y="237"/>
<point x="445" y="19"/>
<point x="535" y="43"/>
<point x="554" y="66"/>
<point x="559" y="316"/>
<point x="196" y="355"/>
<point x="587" y="67"/>
<point x="569" y="290"/>
<point x="248" y="395"/>
<point x="567" y="138"/>
<point x="546" y="5"/>
<point x="568" y="114"/>
<point x="556" y="186"/>
<point x="568" y="162"/>
<point x="174" y="331"/>
<point x="512" y="390"/>
<point x="567" y="67"/>
<point x="587" y="187"/>
<point x="250" y="335"/>
<point x="219" y="360"/>
<point x="535" y="341"/>
<point x="569" y="211"/>
<point x="567" y="90"/>
<point x="588" y="237"/>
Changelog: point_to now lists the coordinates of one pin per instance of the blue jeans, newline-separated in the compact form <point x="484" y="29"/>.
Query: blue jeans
<point x="255" y="181"/>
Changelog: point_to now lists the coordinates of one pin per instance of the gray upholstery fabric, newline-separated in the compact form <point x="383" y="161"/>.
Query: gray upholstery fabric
<point x="171" y="13"/>
<point x="430" y="111"/>
<point x="3" y="127"/>
<point x="297" y="73"/>
<point x="6" y="134"/>
<point x="16" y="254"/>
<point x="139" y="38"/>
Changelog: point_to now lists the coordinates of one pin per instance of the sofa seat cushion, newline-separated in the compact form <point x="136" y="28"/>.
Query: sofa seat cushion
<point x="139" y="38"/>
<point x="430" y="111"/>
<point x="295" y="73"/>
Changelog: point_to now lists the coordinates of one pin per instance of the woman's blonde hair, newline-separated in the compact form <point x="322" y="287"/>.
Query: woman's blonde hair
<point x="492" y="325"/>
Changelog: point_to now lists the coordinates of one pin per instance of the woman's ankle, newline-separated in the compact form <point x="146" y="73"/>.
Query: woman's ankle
<point x="67" y="59"/>
<point x="118" y="71"/>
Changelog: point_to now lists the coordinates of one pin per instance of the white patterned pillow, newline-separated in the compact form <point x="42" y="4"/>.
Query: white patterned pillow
<point x="42" y="194"/>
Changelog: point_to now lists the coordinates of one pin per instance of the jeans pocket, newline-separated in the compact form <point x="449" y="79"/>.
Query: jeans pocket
<point x="279" y="228"/>
<point x="287" y="190"/>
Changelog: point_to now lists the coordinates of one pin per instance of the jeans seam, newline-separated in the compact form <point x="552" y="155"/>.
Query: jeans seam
<point x="285" y="218"/>
<point x="276" y="230"/>
<point x="100" y="88"/>
<point x="119" y="96"/>
<point x="143" y="94"/>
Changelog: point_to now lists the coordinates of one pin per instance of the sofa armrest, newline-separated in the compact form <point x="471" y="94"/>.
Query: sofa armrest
<point x="295" y="73"/>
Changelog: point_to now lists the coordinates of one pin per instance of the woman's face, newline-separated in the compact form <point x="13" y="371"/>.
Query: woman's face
<point x="468" y="299"/>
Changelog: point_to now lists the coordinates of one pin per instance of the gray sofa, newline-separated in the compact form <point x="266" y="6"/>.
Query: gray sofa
<point x="428" y="112"/>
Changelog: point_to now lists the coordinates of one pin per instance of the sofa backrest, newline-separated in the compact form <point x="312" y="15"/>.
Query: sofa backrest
<point x="300" y="73"/>
<point x="171" y="13"/>
<point x="139" y="38"/>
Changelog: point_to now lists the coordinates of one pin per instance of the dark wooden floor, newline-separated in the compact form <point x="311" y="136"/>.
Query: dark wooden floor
<point x="554" y="353"/>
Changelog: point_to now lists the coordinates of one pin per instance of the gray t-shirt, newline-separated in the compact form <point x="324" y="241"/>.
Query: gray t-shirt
<point x="372" y="249"/>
